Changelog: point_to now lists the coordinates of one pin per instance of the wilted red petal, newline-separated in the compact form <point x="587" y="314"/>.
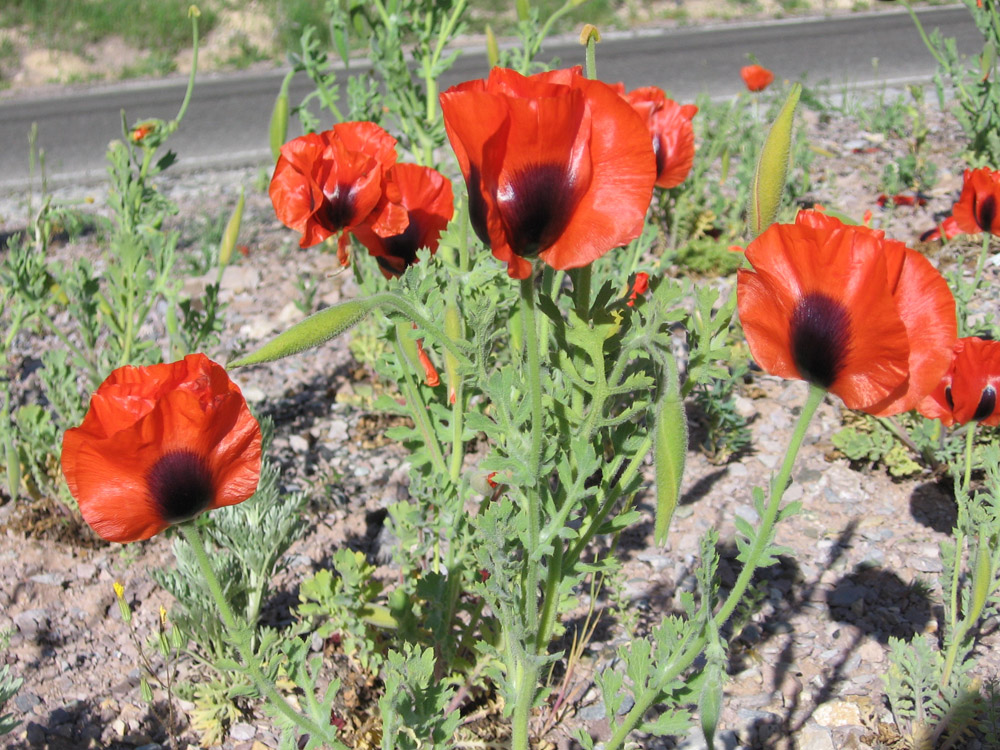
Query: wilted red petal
<point x="159" y="445"/>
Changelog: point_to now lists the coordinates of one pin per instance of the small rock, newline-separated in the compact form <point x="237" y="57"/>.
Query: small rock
<point x="242" y="731"/>
<point x="253" y="394"/>
<point x="85" y="571"/>
<point x="338" y="431"/>
<point x="26" y="701"/>
<point x="298" y="443"/>
<point x="290" y="313"/>
<point x="31" y="621"/>
<point x="49" y="579"/>
<point x="871" y="653"/>
<point x="837" y="714"/>
<point x="814" y="738"/>
<point x="926" y="564"/>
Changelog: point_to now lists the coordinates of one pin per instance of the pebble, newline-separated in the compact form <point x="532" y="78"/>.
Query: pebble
<point x="242" y="731"/>
<point x="837" y="714"/>
<point x="814" y="738"/>
<point x="26" y="701"/>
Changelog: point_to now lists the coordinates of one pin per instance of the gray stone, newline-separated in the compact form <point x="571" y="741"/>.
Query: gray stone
<point x="26" y="701"/>
<point x="242" y="731"/>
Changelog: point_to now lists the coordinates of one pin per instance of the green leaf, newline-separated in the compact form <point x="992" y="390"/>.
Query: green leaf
<point x="670" y="443"/>
<point x="772" y="167"/>
<point x="315" y="330"/>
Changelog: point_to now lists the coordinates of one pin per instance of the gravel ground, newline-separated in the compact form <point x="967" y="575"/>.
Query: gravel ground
<point x="806" y="672"/>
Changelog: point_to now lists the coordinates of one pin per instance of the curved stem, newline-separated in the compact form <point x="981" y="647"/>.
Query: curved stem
<point x="419" y="411"/>
<point x="981" y="262"/>
<point x="240" y="633"/>
<point x="687" y="652"/>
<point x="970" y="437"/>
<point x="778" y="485"/>
<point x="194" y="70"/>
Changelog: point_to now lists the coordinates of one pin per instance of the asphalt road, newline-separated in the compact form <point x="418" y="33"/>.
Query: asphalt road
<point x="227" y="121"/>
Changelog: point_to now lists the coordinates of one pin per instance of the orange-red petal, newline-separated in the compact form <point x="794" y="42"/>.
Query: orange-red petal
<point x="866" y="318"/>
<point x="152" y="437"/>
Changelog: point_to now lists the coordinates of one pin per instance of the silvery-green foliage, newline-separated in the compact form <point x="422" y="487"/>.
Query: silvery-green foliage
<point x="9" y="685"/>
<point x="413" y="707"/>
<point x="248" y="542"/>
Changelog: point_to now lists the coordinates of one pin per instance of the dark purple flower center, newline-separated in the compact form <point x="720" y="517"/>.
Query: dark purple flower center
<point x="181" y="485"/>
<point x="985" y="212"/>
<point x="405" y="244"/>
<point x="660" y="151"/>
<point x="338" y="212"/>
<point x="477" y="206"/>
<point x="820" y="338"/>
<point x="537" y="205"/>
<point x="987" y="403"/>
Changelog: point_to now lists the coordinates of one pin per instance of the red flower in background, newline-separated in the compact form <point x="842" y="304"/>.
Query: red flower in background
<point x="329" y="182"/>
<point x="158" y="446"/>
<point x="864" y="317"/>
<point x="978" y="207"/>
<point x="557" y="166"/>
<point x="968" y="392"/>
<point x="669" y="124"/>
<point x="947" y="229"/>
<point x="640" y="287"/>
<point x="426" y="196"/>
<point x="756" y="77"/>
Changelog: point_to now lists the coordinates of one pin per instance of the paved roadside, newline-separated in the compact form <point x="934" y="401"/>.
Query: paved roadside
<point x="227" y="122"/>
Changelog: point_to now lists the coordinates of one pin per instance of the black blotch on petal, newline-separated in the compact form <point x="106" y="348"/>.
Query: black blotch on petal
<point x="949" y="398"/>
<point x="986" y="212"/>
<point x="339" y="209"/>
<point x="987" y="403"/>
<point x="181" y="484"/>
<point x="477" y="206"/>
<point x="660" y="151"/>
<point x="404" y="245"/>
<point x="820" y="338"/>
<point x="536" y="206"/>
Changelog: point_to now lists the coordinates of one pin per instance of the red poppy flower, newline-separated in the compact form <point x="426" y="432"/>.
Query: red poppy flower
<point x="756" y="77"/>
<point x="329" y="182"/>
<point x="968" y="392"/>
<point x="557" y="166"/>
<point x="947" y="229"/>
<point x="867" y="318"/>
<point x="669" y="124"/>
<point x="640" y="287"/>
<point x="158" y="446"/>
<point x="978" y="207"/>
<point x="426" y="196"/>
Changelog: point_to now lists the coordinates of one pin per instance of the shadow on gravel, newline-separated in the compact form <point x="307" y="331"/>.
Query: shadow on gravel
<point x="81" y="724"/>
<point x="933" y="505"/>
<point x="874" y="601"/>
